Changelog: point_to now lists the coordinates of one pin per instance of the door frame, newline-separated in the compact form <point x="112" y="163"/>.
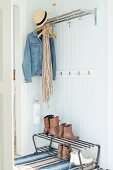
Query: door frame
<point x="7" y="139"/>
<point x="21" y="87"/>
<point x="7" y="116"/>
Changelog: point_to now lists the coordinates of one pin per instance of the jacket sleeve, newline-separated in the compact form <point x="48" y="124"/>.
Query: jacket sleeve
<point x="26" y="65"/>
<point x="53" y="57"/>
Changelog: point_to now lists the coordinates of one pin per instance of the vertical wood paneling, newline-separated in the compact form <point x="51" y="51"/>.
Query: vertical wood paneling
<point x="76" y="99"/>
<point x="80" y="100"/>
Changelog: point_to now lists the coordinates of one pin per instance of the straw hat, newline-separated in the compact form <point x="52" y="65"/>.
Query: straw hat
<point x="40" y="17"/>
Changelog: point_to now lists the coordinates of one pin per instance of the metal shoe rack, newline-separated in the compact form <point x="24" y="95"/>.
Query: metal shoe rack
<point x="78" y="145"/>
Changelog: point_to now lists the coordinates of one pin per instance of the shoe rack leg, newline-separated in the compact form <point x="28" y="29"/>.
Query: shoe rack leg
<point x="35" y="144"/>
<point x="98" y="156"/>
<point x="80" y="160"/>
<point x="50" y="143"/>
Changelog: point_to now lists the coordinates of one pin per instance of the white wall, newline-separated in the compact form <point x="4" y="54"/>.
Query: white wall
<point x="80" y="101"/>
<point x="1" y="78"/>
<point x="110" y="80"/>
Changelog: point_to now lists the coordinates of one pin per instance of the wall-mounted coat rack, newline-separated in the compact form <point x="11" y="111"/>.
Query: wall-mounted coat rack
<point x="77" y="73"/>
<point x="74" y="14"/>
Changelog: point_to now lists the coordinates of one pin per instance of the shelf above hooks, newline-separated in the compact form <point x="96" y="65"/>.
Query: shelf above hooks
<point x="73" y="14"/>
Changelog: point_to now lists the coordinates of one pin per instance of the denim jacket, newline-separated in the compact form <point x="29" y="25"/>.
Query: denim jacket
<point x="32" y="62"/>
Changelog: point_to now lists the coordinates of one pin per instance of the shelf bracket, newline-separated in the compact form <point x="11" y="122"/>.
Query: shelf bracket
<point x="95" y="16"/>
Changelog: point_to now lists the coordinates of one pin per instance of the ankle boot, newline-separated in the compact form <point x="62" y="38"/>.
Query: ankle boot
<point x="54" y="126"/>
<point x="68" y="134"/>
<point x="66" y="152"/>
<point x="47" y="123"/>
<point x="61" y="130"/>
<point x="59" y="151"/>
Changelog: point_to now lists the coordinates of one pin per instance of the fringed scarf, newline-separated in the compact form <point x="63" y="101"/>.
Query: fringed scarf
<point x="47" y="74"/>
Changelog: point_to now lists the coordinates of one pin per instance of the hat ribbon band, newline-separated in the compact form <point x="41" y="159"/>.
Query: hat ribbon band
<point x="43" y="19"/>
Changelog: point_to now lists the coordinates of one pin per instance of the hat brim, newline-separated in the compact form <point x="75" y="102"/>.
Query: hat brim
<point x="38" y="26"/>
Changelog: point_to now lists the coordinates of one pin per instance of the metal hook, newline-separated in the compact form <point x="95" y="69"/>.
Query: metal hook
<point x="54" y="3"/>
<point x="69" y="73"/>
<point x="89" y="73"/>
<point x="54" y="25"/>
<point x="95" y="16"/>
<point x="79" y="73"/>
<point x="69" y="23"/>
<point x="79" y="17"/>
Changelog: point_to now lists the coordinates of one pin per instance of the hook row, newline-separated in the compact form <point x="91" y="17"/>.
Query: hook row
<point x="76" y="73"/>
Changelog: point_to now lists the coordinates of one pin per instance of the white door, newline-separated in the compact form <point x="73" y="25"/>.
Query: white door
<point x="6" y="135"/>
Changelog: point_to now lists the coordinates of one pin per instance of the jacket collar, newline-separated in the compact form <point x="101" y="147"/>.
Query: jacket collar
<point x="35" y="34"/>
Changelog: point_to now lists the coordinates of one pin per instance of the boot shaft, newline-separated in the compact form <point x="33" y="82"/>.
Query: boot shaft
<point x="47" y="119"/>
<point x="54" y="131"/>
<point x="47" y="123"/>
<point x="68" y="128"/>
<point x="68" y="133"/>
<point x="61" y="130"/>
<point x="59" y="151"/>
<point x="66" y="152"/>
<point x="54" y="122"/>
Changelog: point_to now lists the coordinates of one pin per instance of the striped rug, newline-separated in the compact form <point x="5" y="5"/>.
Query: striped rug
<point x="46" y="160"/>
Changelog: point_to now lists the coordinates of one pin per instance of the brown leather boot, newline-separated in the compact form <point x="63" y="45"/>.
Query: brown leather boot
<point x="66" y="152"/>
<point x="68" y="134"/>
<point x="47" y="123"/>
<point x="54" y="126"/>
<point x="59" y="151"/>
<point x="61" y="130"/>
